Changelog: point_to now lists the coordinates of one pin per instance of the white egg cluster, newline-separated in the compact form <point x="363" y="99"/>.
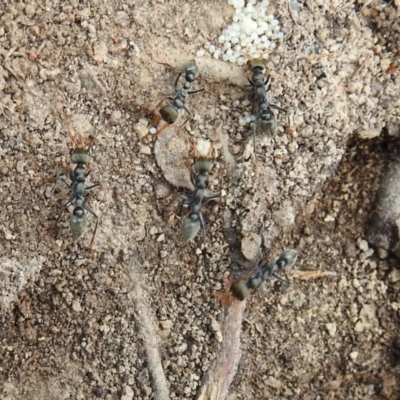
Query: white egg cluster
<point x="253" y="32"/>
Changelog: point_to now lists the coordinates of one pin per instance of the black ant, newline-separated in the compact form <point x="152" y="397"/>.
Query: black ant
<point x="242" y="288"/>
<point x="202" y="166"/>
<point x="79" y="155"/>
<point x="170" y="112"/>
<point x="260" y="85"/>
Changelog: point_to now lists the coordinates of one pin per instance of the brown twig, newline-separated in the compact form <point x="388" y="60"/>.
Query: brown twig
<point x="147" y="330"/>
<point x="305" y="275"/>
<point x="218" y="379"/>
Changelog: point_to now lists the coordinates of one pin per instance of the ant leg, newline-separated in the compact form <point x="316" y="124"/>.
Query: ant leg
<point x="250" y="81"/>
<point x="177" y="79"/>
<point x="66" y="205"/>
<point x="87" y="208"/>
<point x="80" y="138"/>
<point x="68" y="185"/>
<point x="277" y="108"/>
<point x="165" y="126"/>
<point x="194" y="149"/>
<point x="155" y="111"/>
<point x="211" y="198"/>
<point x="196" y="91"/>
<point x="187" y="119"/>
<point x="156" y="119"/>
<point x="202" y="225"/>
<point x="226" y="299"/>
<point x="92" y="187"/>
<point x="186" y="109"/>
<point x="193" y="178"/>
<point x="277" y="276"/>
<point x="209" y="154"/>
<point x="268" y="84"/>
<point x="93" y="138"/>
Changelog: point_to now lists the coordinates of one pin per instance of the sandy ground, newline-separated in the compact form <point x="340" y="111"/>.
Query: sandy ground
<point x="138" y="316"/>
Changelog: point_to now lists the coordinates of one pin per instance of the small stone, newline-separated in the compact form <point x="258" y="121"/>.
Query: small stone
<point x="273" y="382"/>
<point x="141" y="130"/>
<point x="115" y="117"/>
<point x="127" y="393"/>
<point x="166" y="324"/>
<point x="363" y="245"/>
<point x="76" y="306"/>
<point x="145" y="150"/>
<point x="153" y="230"/>
<point x="353" y="355"/>
<point x="161" y="238"/>
<point x="394" y="275"/>
<point x="331" y="328"/>
<point x="251" y="243"/>
<point x="30" y="10"/>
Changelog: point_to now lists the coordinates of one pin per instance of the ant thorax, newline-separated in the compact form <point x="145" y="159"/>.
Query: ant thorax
<point x="256" y="64"/>
<point x="258" y="78"/>
<point x="191" y="71"/>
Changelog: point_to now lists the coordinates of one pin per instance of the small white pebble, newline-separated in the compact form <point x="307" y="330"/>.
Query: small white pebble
<point x="249" y="8"/>
<point x="238" y="47"/>
<point x="252" y="117"/>
<point x="235" y="103"/>
<point x="242" y="122"/>
<point x="200" y="53"/>
<point x="153" y="130"/>
<point x="235" y="40"/>
<point x="221" y="39"/>
<point x="235" y="27"/>
<point x="225" y="57"/>
<point x="245" y="102"/>
<point x="211" y="49"/>
<point x="247" y="119"/>
<point x="227" y="45"/>
<point x="232" y="58"/>
<point x="260" y="30"/>
<point x="241" y="61"/>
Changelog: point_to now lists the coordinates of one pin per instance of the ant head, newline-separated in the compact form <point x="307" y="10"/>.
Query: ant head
<point x="255" y="64"/>
<point x="191" y="71"/>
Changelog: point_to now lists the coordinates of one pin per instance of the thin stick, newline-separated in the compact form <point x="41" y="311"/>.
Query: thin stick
<point x="220" y="376"/>
<point x="147" y="332"/>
